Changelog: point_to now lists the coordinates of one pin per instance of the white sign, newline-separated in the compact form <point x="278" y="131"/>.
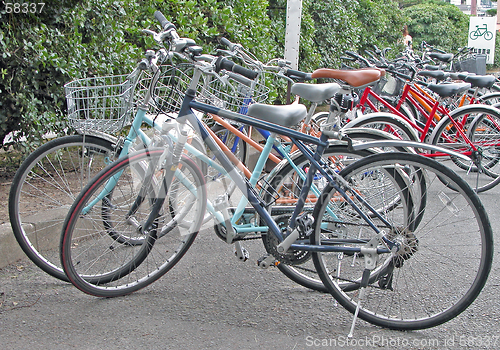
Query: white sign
<point x="482" y="32"/>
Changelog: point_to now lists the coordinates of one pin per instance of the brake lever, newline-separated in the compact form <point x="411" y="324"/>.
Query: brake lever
<point x="158" y="37"/>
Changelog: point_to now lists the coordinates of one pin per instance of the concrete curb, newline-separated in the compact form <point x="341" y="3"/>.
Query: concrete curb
<point x="10" y="252"/>
<point x="44" y="229"/>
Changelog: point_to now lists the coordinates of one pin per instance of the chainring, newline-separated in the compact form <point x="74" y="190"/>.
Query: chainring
<point x="291" y="257"/>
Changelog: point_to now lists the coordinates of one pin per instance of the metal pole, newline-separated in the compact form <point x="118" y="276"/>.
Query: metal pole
<point x="292" y="35"/>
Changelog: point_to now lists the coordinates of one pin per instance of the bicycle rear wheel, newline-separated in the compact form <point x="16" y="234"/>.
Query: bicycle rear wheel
<point x="482" y="126"/>
<point x="287" y="183"/>
<point x="99" y="264"/>
<point x="43" y="189"/>
<point x="443" y="263"/>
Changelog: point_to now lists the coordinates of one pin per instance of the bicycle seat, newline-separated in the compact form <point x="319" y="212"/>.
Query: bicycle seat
<point x="315" y="92"/>
<point x="482" y="81"/>
<point x="443" y="57"/>
<point x="447" y="90"/>
<point x="288" y="115"/>
<point x="431" y="67"/>
<point x="436" y="74"/>
<point x="355" y="78"/>
<point x="459" y="75"/>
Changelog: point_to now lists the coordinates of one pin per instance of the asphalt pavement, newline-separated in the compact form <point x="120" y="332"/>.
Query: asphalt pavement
<point x="211" y="300"/>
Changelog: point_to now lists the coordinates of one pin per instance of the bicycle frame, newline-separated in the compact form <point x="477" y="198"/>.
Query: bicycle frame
<point x="409" y="93"/>
<point x="135" y="132"/>
<point x="186" y="115"/>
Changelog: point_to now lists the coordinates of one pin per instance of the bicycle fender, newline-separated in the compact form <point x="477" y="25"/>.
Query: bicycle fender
<point x="357" y="121"/>
<point x="412" y="144"/>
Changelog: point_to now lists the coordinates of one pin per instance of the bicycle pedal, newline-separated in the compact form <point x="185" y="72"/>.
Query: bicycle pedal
<point x="242" y="254"/>
<point x="266" y="261"/>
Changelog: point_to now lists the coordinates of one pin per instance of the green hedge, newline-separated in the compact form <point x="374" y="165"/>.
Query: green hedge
<point x="72" y="39"/>
<point x="75" y="39"/>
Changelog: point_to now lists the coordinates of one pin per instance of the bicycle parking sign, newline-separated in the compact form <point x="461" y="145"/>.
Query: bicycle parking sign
<point x="481" y="36"/>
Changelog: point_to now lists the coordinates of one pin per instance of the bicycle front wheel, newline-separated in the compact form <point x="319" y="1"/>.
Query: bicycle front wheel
<point x="43" y="189"/>
<point x="118" y="201"/>
<point x="442" y="263"/>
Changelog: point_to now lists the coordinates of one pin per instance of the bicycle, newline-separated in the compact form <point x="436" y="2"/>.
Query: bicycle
<point x="471" y="129"/>
<point x="49" y="179"/>
<point x="57" y="171"/>
<point x="481" y="31"/>
<point x="386" y="203"/>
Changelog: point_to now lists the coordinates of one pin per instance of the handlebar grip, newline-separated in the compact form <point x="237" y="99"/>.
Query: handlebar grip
<point x="143" y="65"/>
<point x="226" y="42"/>
<point x="353" y="54"/>
<point x="240" y="79"/>
<point x="347" y="58"/>
<point x="224" y="63"/>
<point x="298" y="74"/>
<point x="165" y="23"/>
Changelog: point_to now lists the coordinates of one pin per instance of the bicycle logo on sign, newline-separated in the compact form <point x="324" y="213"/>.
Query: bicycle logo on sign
<point x="481" y="31"/>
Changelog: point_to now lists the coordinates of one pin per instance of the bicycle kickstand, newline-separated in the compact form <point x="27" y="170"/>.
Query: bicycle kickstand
<point x="371" y="258"/>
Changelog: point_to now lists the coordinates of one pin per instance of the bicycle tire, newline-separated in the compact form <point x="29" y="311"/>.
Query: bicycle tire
<point x="383" y="121"/>
<point x="99" y="265"/>
<point x="411" y="294"/>
<point x="43" y="188"/>
<point x="475" y="118"/>
<point x="491" y="99"/>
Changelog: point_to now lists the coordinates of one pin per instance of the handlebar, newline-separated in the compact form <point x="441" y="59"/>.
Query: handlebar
<point x="282" y="65"/>
<point x="165" y="23"/>
<point x="358" y="57"/>
<point x="296" y="74"/>
<point x="224" y="63"/>
<point x="240" y="79"/>
<point x="229" y="44"/>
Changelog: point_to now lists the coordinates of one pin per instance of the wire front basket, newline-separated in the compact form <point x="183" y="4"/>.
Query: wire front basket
<point x="389" y="85"/>
<point x="233" y="95"/>
<point x="102" y="104"/>
<point x="106" y="104"/>
<point x="224" y="93"/>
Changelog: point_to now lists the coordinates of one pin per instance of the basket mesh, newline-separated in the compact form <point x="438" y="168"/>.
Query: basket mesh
<point x="232" y="95"/>
<point x="106" y="104"/>
<point x="100" y="103"/>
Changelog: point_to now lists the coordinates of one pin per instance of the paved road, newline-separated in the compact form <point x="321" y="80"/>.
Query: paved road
<point x="210" y="300"/>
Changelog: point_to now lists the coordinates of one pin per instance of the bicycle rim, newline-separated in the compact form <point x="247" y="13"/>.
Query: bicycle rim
<point x="43" y="190"/>
<point x="483" y="129"/>
<point x="101" y="265"/>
